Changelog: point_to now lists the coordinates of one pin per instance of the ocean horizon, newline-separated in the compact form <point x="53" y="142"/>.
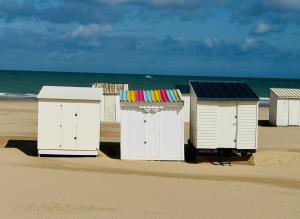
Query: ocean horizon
<point x="26" y="84"/>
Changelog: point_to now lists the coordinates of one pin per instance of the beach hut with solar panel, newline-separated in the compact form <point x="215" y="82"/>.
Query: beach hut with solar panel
<point x="285" y="107"/>
<point x="152" y="126"/>
<point x="224" y="115"/>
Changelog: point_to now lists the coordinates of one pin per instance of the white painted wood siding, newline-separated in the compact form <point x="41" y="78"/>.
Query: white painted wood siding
<point x="282" y="116"/>
<point x="88" y="126"/>
<point x="294" y="112"/>
<point x="49" y="121"/>
<point x="186" y="107"/>
<point x="207" y="124"/>
<point x="247" y="125"/>
<point x="171" y="131"/>
<point x="110" y="108"/>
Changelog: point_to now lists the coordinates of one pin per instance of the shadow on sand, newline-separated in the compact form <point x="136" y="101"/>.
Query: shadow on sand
<point x="228" y="157"/>
<point x="27" y="147"/>
<point x="111" y="149"/>
<point x="265" y="123"/>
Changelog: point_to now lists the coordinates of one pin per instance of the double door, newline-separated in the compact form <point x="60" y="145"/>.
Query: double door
<point x="152" y="136"/>
<point x="69" y="126"/>
<point x="288" y="112"/>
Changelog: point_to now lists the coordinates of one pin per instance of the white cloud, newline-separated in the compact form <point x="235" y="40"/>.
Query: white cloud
<point x="91" y="30"/>
<point x="211" y="42"/>
<point x="262" y="28"/>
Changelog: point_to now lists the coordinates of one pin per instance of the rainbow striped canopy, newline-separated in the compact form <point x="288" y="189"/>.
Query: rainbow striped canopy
<point x="159" y="95"/>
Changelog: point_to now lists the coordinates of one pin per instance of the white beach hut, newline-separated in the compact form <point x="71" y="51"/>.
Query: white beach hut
<point x="284" y="107"/>
<point x="152" y="126"/>
<point x="69" y="120"/>
<point x="223" y="115"/>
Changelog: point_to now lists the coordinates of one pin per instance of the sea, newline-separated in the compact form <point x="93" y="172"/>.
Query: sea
<point x="26" y="84"/>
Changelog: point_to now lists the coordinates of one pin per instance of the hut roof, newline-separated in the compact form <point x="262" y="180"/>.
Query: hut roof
<point x="223" y="90"/>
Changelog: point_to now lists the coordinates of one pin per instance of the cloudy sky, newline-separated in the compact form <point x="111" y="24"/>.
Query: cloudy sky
<point x="198" y="37"/>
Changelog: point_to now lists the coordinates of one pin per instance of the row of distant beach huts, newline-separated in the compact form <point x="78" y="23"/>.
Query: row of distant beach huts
<point x="223" y="115"/>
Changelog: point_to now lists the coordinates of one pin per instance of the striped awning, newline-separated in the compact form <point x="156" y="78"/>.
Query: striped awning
<point x="286" y="93"/>
<point x="160" y="95"/>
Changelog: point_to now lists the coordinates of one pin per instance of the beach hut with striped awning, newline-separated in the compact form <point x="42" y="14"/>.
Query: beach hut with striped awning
<point x="152" y="126"/>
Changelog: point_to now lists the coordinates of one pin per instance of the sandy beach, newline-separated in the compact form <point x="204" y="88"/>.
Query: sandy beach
<point x="106" y="187"/>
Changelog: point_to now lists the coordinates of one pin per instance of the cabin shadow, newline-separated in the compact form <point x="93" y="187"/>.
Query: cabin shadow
<point x="111" y="149"/>
<point x="27" y="147"/>
<point x="228" y="157"/>
<point x="265" y="123"/>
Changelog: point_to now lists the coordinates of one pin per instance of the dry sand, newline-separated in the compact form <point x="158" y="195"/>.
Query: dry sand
<point x="103" y="187"/>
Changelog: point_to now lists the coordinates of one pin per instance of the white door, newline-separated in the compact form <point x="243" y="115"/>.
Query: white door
<point x="88" y="126"/>
<point x="170" y="135"/>
<point x="282" y="112"/>
<point x="294" y="112"/>
<point x="49" y="120"/>
<point x="152" y="144"/>
<point x="69" y="127"/>
<point x="227" y="125"/>
<point x="132" y="134"/>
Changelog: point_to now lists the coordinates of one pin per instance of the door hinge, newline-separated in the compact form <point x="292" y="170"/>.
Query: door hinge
<point x="234" y="140"/>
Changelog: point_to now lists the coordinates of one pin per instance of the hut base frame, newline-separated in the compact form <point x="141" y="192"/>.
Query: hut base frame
<point x="69" y="152"/>
<point x="221" y="152"/>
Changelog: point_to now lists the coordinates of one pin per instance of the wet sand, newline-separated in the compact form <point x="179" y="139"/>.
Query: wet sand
<point x="83" y="187"/>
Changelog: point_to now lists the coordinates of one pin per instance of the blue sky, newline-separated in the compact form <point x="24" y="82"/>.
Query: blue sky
<point x="189" y="37"/>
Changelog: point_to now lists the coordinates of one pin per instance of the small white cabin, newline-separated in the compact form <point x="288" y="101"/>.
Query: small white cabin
<point x="152" y="126"/>
<point x="223" y="115"/>
<point x="69" y="120"/>
<point x="284" y="107"/>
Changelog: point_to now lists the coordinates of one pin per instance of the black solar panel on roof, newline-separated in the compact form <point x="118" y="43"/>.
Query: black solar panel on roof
<point x="223" y="90"/>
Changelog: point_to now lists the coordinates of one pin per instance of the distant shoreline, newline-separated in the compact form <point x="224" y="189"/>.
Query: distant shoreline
<point x="20" y="84"/>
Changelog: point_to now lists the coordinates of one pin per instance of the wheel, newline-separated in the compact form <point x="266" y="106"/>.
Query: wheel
<point x="246" y="154"/>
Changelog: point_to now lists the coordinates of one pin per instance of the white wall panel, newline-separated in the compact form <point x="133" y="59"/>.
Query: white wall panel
<point x="294" y="112"/>
<point x="207" y="124"/>
<point x="282" y="112"/>
<point x="68" y="127"/>
<point x="88" y="126"/>
<point x="49" y="121"/>
<point x="247" y="125"/>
